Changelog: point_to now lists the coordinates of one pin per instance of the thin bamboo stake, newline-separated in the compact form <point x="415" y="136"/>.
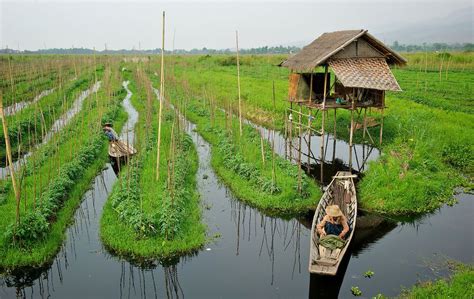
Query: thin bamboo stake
<point x="238" y="81"/>
<point x="299" y="151"/>
<point x="273" y="138"/>
<point x="162" y="85"/>
<point x="10" y="162"/>
<point x="262" y="149"/>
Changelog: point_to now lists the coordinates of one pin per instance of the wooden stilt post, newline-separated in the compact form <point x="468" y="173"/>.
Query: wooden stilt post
<point x="352" y="130"/>
<point x="309" y="121"/>
<point x="291" y="130"/>
<point x="238" y="82"/>
<point x="323" y="120"/>
<point x="162" y="85"/>
<point x="10" y="162"/>
<point x="335" y="122"/>
<point x="381" y="120"/>
<point x="365" y="124"/>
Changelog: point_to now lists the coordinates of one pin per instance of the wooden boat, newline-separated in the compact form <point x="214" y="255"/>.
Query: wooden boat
<point x="119" y="149"/>
<point x="341" y="191"/>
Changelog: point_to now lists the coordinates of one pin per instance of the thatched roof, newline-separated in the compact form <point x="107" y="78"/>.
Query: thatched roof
<point x="328" y="44"/>
<point x="372" y="73"/>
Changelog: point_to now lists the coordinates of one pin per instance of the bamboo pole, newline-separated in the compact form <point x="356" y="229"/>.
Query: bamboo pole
<point x="238" y="81"/>
<point x="10" y="162"/>
<point x="299" y="151"/>
<point x="273" y="137"/>
<point x="162" y="85"/>
<point x="323" y="120"/>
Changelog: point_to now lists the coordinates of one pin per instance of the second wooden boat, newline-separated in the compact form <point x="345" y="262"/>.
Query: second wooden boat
<point x="119" y="149"/>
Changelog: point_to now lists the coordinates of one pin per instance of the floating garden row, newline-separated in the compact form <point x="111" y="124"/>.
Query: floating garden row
<point x="146" y="218"/>
<point x="54" y="179"/>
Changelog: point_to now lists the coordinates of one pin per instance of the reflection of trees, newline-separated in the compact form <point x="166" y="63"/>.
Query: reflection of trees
<point x="274" y="235"/>
<point x="134" y="282"/>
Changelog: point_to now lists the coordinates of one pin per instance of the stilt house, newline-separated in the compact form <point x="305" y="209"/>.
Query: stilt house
<point x="353" y="74"/>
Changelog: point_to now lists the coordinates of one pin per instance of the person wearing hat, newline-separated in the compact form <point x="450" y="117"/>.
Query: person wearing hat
<point x="333" y="223"/>
<point x="110" y="132"/>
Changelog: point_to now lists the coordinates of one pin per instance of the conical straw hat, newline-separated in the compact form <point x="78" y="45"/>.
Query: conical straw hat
<point x="333" y="211"/>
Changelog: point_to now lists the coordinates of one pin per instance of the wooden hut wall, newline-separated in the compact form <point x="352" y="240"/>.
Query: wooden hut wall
<point x="299" y="89"/>
<point x="358" y="48"/>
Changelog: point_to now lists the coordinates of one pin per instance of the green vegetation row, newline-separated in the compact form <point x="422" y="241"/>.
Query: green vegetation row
<point x="238" y="159"/>
<point x="55" y="178"/>
<point x="24" y="77"/>
<point x="27" y="127"/>
<point x="427" y="144"/>
<point x="145" y="218"/>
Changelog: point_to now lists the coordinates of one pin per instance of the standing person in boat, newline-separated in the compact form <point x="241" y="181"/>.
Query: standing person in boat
<point x="333" y="223"/>
<point x="110" y="132"/>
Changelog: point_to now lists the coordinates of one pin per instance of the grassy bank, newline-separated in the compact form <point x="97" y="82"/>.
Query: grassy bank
<point x="427" y="146"/>
<point x="144" y="218"/>
<point x="459" y="285"/>
<point x="54" y="179"/>
<point x="238" y="159"/>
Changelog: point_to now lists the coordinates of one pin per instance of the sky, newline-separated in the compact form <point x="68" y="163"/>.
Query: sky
<point x="122" y="24"/>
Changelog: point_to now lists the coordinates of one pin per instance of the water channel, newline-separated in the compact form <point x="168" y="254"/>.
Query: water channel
<point x="252" y="256"/>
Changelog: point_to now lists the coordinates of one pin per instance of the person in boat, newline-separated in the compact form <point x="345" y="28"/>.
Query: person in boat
<point x="110" y="132"/>
<point x="333" y="223"/>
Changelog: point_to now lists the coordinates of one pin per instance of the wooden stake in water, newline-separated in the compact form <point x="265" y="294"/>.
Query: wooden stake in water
<point x="160" y="112"/>
<point x="238" y="81"/>
<point x="10" y="162"/>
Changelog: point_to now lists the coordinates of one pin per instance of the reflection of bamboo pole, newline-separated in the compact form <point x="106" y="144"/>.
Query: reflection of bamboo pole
<point x="238" y="81"/>
<point x="10" y="162"/>
<point x="162" y="85"/>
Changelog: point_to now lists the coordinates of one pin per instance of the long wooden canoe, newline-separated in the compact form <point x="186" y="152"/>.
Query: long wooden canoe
<point x="118" y="149"/>
<point x="341" y="191"/>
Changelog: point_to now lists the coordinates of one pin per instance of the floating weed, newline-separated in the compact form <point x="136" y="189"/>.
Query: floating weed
<point x="369" y="273"/>
<point x="356" y="291"/>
